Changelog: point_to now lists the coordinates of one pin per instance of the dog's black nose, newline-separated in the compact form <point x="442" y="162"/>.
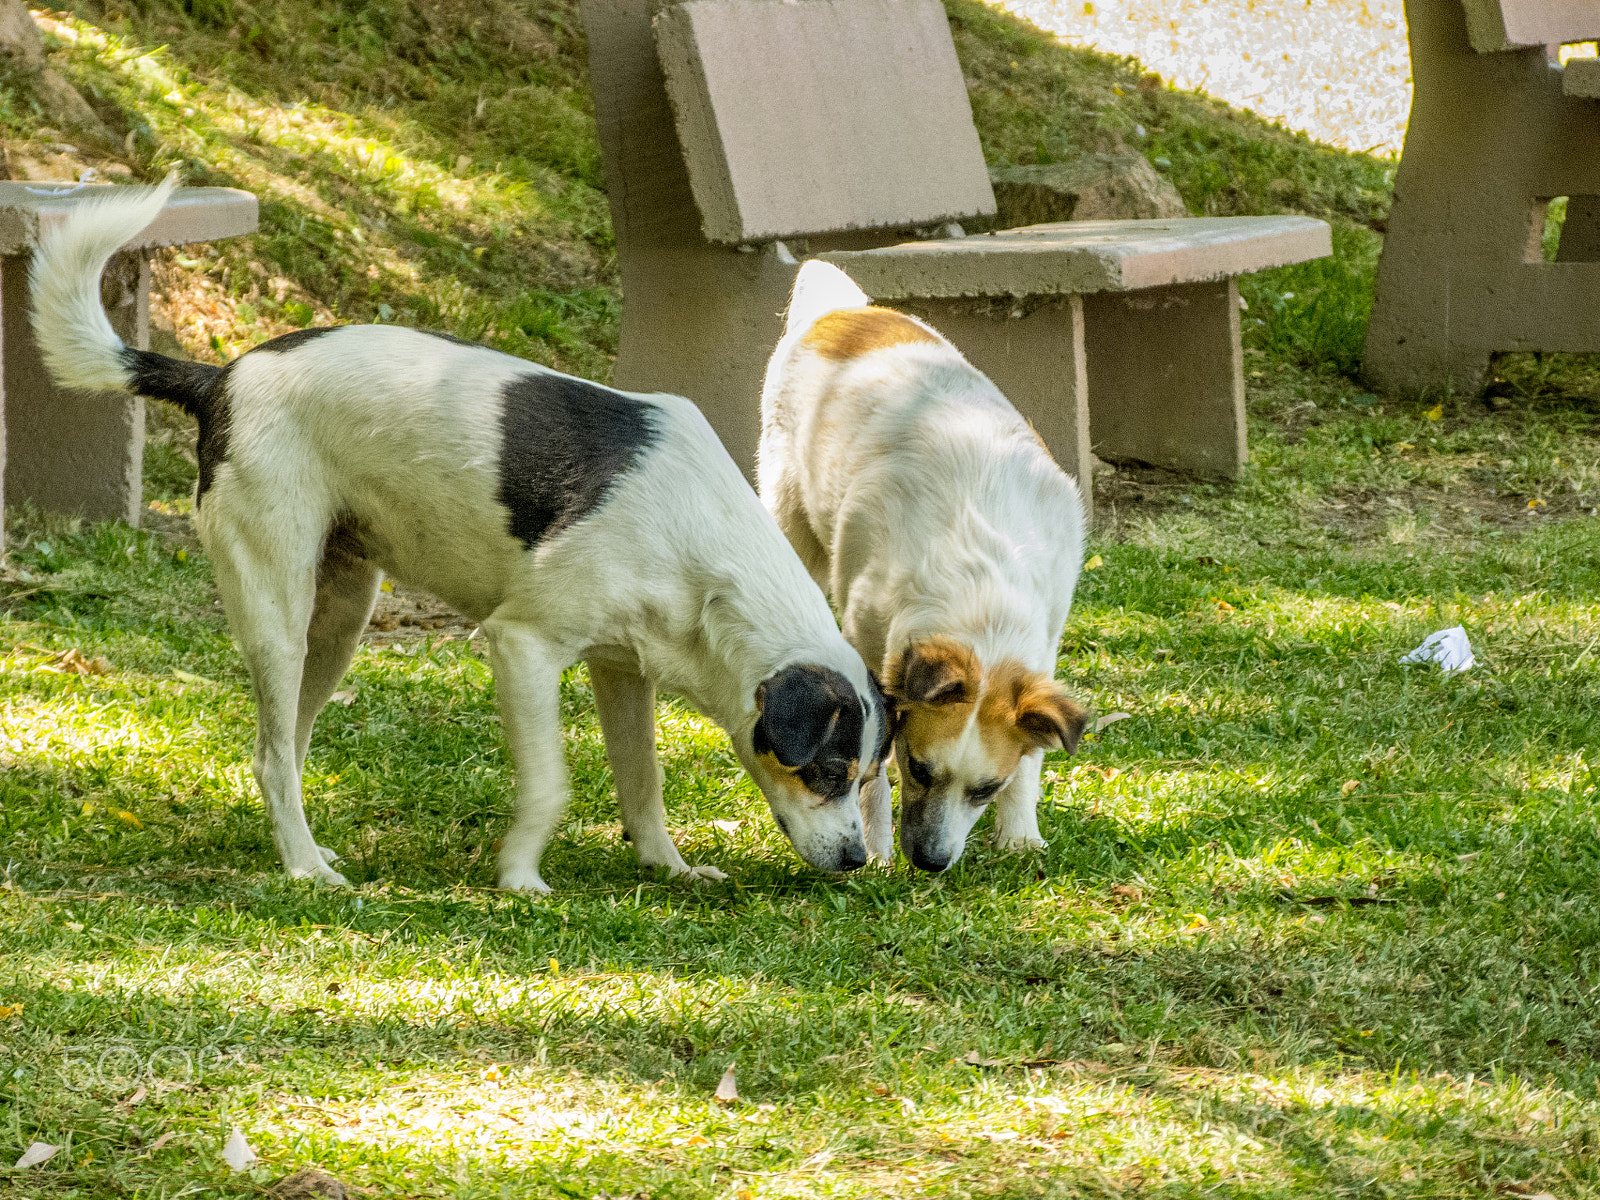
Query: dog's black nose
<point x="852" y="858"/>
<point x="924" y="861"/>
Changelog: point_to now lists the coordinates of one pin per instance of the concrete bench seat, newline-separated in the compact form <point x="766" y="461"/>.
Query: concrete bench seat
<point x="1079" y="257"/>
<point x="83" y="452"/>
<point x="739" y="136"/>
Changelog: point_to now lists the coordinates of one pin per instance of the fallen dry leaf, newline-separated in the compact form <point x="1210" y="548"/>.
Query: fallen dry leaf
<point x="342" y="697"/>
<point x="1126" y="891"/>
<point x="1198" y="921"/>
<point x="237" y="1152"/>
<point x="974" y="1059"/>
<point x="726" y="1092"/>
<point x="7" y="1011"/>
<point x="127" y="818"/>
<point x="1110" y="719"/>
<point x="1350" y="785"/>
<point x="37" y="1155"/>
<point x="139" y="1094"/>
<point x="72" y="662"/>
<point x="161" y="1141"/>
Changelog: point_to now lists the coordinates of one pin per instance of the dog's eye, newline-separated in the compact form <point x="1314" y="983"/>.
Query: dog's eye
<point x="984" y="793"/>
<point x="919" y="772"/>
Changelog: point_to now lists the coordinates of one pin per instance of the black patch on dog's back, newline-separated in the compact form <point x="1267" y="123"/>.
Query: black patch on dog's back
<point x="200" y="389"/>
<point x="565" y="441"/>
<point x="293" y="341"/>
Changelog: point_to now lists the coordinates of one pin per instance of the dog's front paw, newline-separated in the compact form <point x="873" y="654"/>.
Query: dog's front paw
<point x="1020" y="843"/>
<point x="695" y="874"/>
<point x="321" y="873"/>
<point x="881" y="849"/>
<point x="522" y="879"/>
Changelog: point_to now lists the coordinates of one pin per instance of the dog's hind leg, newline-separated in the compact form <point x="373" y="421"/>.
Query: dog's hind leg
<point x="626" y="704"/>
<point x="347" y="587"/>
<point x="267" y="593"/>
<point x="877" y="816"/>
<point x="1016" y="808"/>
<point x="527" y="680"/>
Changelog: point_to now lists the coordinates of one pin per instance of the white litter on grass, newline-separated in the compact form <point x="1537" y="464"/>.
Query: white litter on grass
<point x="237" y="1153"/>
<point x="1447" y="647"/>
<point x="37" y="1155"/>
<point x="1111" y="719"/>
<point x="726" y="1092"/>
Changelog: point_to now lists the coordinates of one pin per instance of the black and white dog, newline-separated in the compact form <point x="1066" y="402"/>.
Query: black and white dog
<point x="571" y="520"/>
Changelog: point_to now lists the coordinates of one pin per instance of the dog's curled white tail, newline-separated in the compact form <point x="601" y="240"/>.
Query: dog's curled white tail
<point x="79" y="347"/>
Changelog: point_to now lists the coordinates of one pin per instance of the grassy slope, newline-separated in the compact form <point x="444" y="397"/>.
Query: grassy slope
<point x="1194" y="1031"/>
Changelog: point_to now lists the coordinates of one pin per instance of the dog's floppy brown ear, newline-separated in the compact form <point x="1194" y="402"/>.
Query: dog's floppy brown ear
<point x="1047" y="716"/>
<point x="938" y="670"/>
<point x="798" y="707"/>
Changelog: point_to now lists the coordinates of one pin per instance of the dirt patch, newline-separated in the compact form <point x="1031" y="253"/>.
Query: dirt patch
<point x="407" y="614"/>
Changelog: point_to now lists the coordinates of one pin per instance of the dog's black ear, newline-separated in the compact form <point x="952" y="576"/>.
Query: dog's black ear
<point x="799" y="707"/>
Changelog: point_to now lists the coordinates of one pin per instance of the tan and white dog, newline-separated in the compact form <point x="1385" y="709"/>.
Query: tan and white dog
<point x="950" y="542"/>
<point x="571" y="520"/>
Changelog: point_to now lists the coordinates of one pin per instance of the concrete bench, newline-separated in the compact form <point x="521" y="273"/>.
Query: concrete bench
<point x="1497" y="131"/>
<point x="739" y="136"/>
<point x="83" y="452"/>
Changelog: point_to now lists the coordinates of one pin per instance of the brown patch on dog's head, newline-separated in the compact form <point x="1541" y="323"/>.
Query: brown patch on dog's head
<point x="936" y="670"/>
<point x="933" y="686"/>
<point x="851" y="332"/>
<point x="936" y="684"/>
<point x="1029" y="710"/>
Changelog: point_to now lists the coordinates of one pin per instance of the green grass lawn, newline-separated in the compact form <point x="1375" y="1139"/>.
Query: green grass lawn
<point x="1176" y="998"/>
<point x="1165" y="1002"/>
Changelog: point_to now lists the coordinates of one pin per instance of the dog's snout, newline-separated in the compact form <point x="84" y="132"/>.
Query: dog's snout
<point x="924" y="861"/>
<point x="853" y="857"/>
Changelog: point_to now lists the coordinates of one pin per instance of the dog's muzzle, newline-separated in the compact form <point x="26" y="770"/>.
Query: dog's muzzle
<point x="923" y="861"/>
<point x="924" y="837"/>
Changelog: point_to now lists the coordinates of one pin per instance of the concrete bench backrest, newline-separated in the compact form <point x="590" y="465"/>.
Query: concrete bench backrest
<point x="1494" y="25"/>
<point x="820" y="116"/>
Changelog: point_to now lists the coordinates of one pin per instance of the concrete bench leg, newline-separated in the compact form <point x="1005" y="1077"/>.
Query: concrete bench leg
<point x="73" y="452"/>
<point x="1166" y="377"/>
<point x="702" y="323"/>
<point x="1033" y="351"/>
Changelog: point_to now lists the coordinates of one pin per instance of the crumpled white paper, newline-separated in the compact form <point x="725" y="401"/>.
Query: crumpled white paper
<point x="37" y="1155"/>
<point x="1447" y="647"/>
<point x="238" y="1153"/>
